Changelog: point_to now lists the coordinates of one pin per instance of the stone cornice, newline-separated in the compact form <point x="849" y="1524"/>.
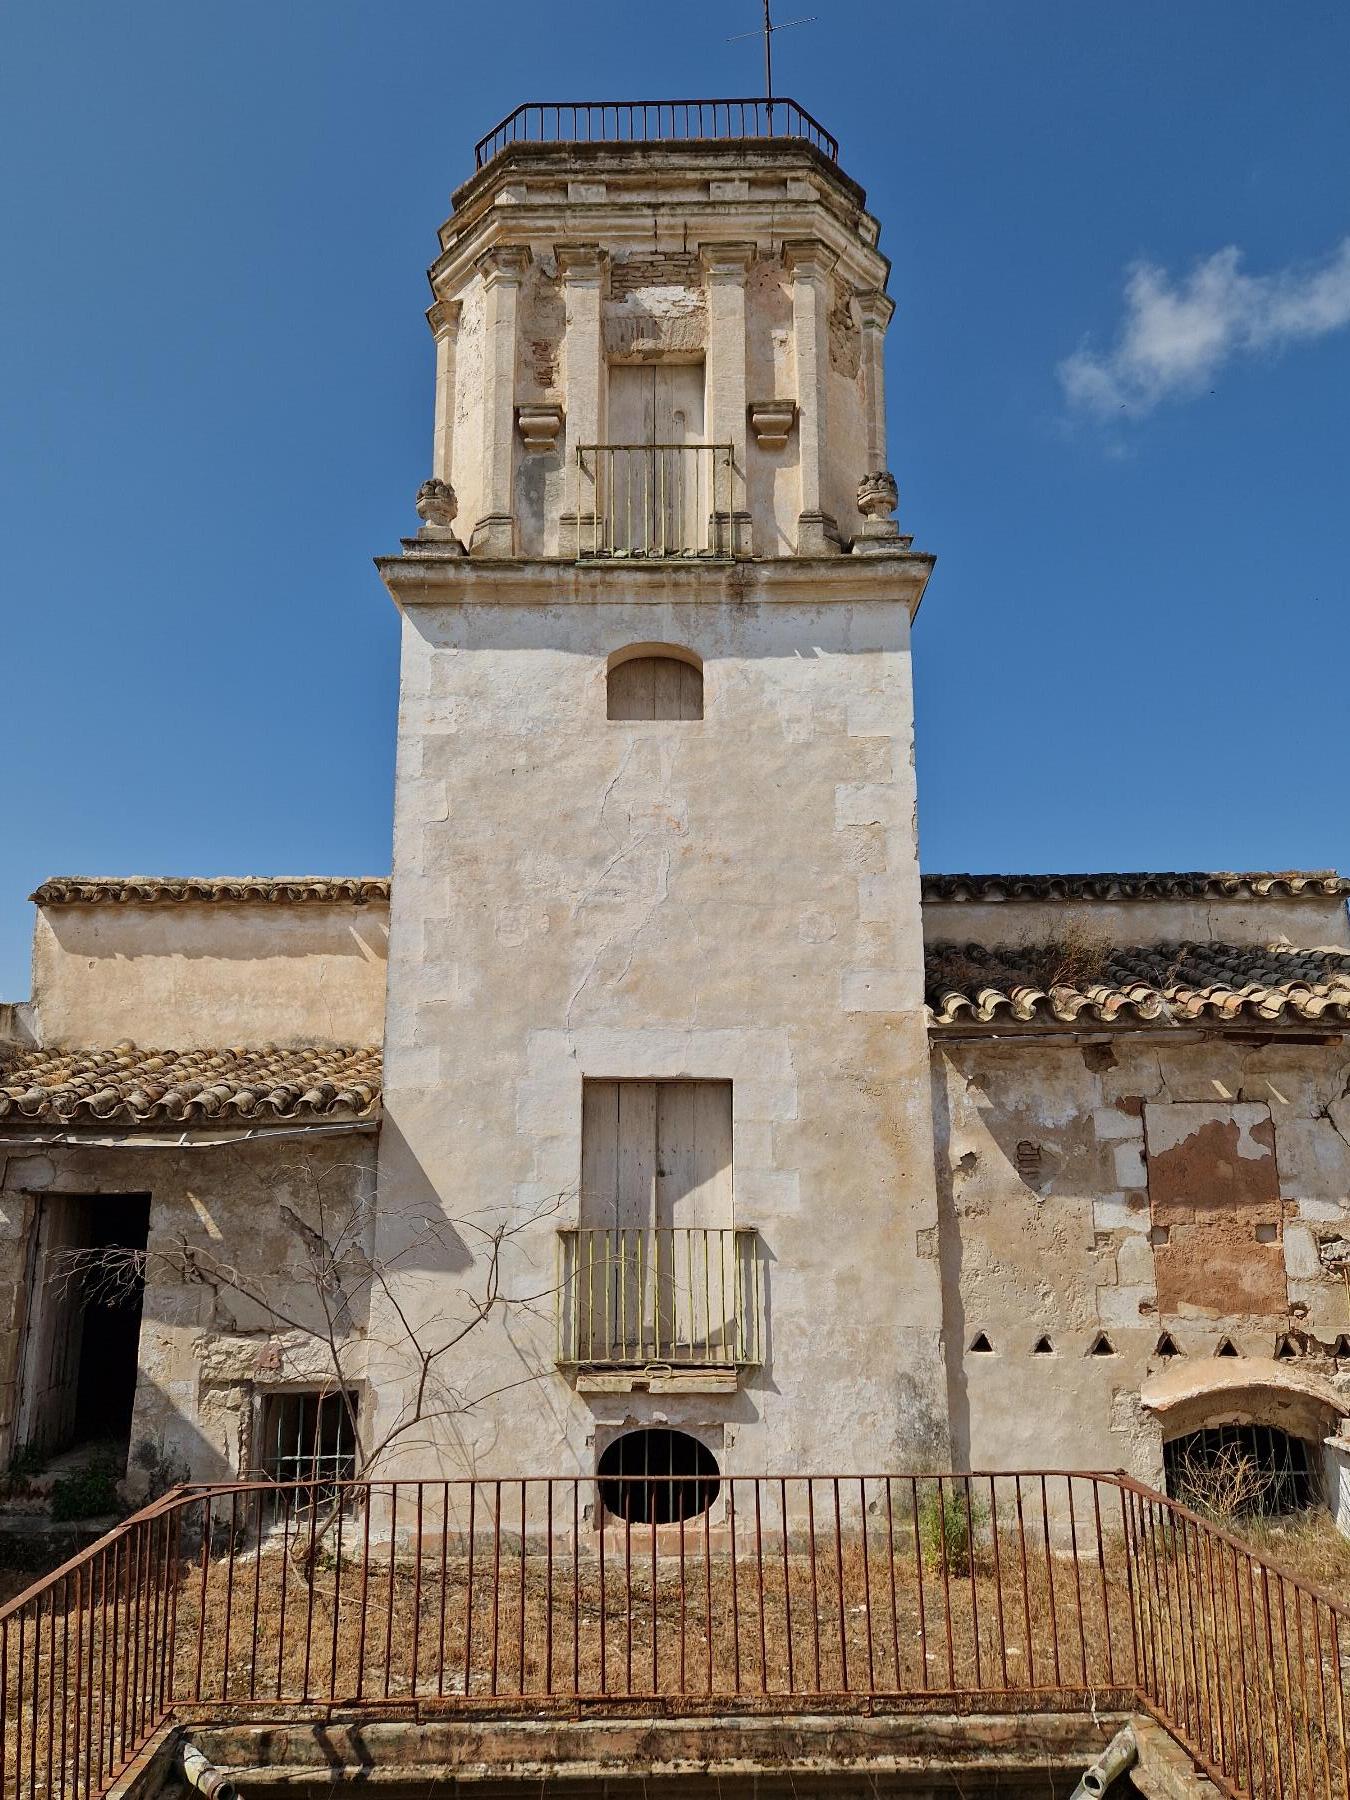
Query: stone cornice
<point x="625" y="223"/>
<point x="421" y="579"/>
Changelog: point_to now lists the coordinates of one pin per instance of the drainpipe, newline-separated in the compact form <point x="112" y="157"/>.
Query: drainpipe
<point x="206" y="1778"/>
<point x="1121" y="1754"/>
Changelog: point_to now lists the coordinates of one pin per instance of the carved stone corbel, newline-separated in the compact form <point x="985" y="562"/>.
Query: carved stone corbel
<point x="772" y="422"/>
<point x="540" y="425"/>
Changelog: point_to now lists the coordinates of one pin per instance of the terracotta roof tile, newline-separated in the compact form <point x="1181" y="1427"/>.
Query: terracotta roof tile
<point x="275" y="890"/>
<point x="186" y="1087"/>
<point x="1175" y="984"/>
<point x="1163" y="884"/>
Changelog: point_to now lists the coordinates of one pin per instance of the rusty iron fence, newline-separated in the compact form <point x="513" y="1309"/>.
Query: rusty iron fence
<point x="652" y="122"/>
<point x="1004" y="1592"/>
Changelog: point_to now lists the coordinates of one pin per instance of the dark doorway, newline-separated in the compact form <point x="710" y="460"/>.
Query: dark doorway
<point x="111" y="1337"/>
<point x="86" y="1287"/>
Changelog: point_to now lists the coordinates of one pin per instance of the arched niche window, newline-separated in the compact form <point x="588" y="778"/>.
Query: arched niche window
<point x="654" y="681"/>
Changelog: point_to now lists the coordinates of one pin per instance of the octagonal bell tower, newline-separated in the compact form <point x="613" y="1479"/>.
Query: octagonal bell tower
<point x="656" y="984"/>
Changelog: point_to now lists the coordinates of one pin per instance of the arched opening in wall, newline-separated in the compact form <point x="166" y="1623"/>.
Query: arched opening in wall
<point x="654" y="681"/>
<point x="1242" y="1471"/>
<point x="657" y="1477"/>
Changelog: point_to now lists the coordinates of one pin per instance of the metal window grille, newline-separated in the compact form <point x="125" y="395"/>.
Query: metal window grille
<point x="307" y="1438"/>
<point x="657" y="1477"/>
<point x="1244" y="1469"/>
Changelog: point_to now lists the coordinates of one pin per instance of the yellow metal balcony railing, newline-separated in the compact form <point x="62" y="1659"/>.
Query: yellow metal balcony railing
<point x="691" y="1297"/>
<point x="659" y="500"/>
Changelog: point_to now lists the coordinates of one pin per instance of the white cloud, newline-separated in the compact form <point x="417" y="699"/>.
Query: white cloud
<point x="1176" y="335"/>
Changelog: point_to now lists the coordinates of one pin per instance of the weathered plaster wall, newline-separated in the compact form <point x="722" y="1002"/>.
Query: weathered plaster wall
<point x="735" y="898"/>
<point x="207" y="1352"/>
<point x="1053" y="1227"/>
<point x="187" y="974"/>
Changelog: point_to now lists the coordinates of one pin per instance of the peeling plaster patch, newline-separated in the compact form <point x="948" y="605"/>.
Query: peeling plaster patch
<point x="1170" y="1126"/>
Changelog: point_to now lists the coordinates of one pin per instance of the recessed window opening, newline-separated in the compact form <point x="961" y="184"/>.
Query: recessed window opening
<point x="1241" y="1471"/>
<point x="654" y="681"/>
<point x="1341" y="1346"/>
<point x="1226" y="1347"/>
<point x="1042" y="1347"/>
<point x="1166" y="1346"/>
<point x="1285" y="1350"/>
<point x="657" y="1477"/>
<point x="307" y="1437"/>
<point x="1102" y="1346"/>
<point x="980" y="1345"/>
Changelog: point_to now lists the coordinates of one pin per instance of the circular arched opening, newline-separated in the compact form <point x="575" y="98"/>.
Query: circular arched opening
<point x="657" y="1477"/>
<point x="1242" y="1471"/>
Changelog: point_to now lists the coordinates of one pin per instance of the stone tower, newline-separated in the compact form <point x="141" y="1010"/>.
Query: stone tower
<point x="656" y="992"/>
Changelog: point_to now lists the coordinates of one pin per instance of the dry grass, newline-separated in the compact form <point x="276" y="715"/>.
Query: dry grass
<point x="1307" y="1543"/>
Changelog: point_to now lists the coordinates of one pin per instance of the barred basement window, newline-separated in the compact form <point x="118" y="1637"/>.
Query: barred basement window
<point x="307" y="1438"/>
<point x="1241" y="1470"/>
<point x="657" y="1477"/>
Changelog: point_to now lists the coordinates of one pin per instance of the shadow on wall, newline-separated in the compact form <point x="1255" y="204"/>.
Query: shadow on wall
<point x="949" y="1266"/>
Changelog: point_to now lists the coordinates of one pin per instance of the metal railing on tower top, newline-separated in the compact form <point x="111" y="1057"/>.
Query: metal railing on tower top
<point x="652" y="122"/>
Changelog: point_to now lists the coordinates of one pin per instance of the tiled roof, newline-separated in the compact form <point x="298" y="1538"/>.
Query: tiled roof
<point x="1162" y="884"/>
<point x="276" y="890"/>
<point x="185" y="1087"/>
<point x="1174" y="984"/>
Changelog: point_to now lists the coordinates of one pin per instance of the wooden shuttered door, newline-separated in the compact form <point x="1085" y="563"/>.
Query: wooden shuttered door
<point x="656" y="1154"/>
<point x="657" y="1270"/>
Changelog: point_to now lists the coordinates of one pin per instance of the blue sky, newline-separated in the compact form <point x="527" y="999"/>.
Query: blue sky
<point x="217" y="405"/>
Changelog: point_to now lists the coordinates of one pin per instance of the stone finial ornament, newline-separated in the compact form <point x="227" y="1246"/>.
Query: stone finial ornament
<point x="437" y="504"/>
<point x="878" y="495"/>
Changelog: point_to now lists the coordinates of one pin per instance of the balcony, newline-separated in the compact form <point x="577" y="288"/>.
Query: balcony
<point x="679" y="1298"/>
<point x="660" y="500"/>
<point x="652" y="122"/>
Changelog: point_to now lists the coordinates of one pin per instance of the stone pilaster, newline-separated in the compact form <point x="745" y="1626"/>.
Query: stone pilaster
<point x="443" y="319"/>
<point x="582" y="268"/>
<point x="725" y="266"/>
<point x="874" y="315"/>
<point x="810" y="263"/>
<point x="502" y="270"/>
